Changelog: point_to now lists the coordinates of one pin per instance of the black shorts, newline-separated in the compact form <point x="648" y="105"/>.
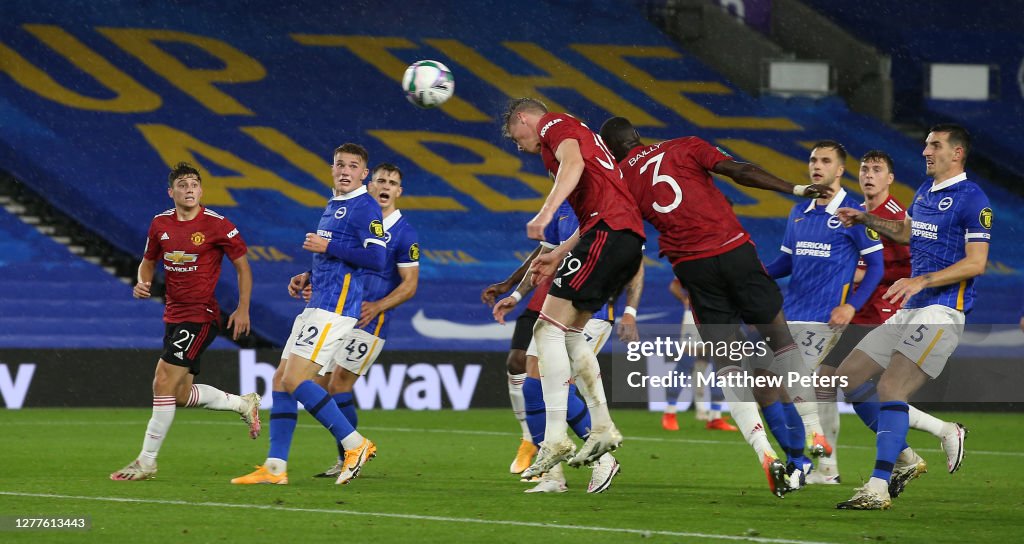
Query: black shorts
<point x="184" y="343"/>
<point x="844" y="346"/>
<point x="524" y="329"/>
<point x="730" y="289"/>
<point x="600" y="265"/>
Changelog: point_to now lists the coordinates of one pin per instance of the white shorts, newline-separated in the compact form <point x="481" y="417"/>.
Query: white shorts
<point x="927" y="336"/>
<point x="596" y="332"/>
<point x="358" y="351"/>
<point x="814" y="340"/>
<point x="318" y="334"/>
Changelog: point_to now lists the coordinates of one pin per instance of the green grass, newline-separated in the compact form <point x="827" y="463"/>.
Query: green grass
<point x="692" y="486"/>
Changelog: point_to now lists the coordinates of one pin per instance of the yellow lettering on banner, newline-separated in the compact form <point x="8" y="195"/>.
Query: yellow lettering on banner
<point x="300" y="157"/>
<point x="195" y="82"/>
<point x="465" y="176"/>
<point x="670" y="93"/>
<point x="767" y="203"/>
<point x="174" y="145"/>
<point x="448" y="256"/>
<point x="559" y="75"/>
<point x="129" y="95"/>
<point x="268" y="253"/>
<point x="900" y="191"/>
<point x="374" y="51"/>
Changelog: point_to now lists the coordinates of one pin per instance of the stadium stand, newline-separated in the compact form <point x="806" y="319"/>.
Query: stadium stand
<point x="96" y="101"/>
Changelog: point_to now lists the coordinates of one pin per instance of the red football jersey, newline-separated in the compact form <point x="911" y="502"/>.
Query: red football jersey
<point x="601" y="194"/>
<point x="191" y="253"/>
<point x="897" y="265"/>
<point x="671" y="181"/>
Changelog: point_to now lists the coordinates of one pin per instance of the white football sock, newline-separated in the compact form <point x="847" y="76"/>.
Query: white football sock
<point x="748" y="418"/>
<point x="156" y="430"/>
<point x="587" y="373"/>
<point x="515" y="394"/>
<point x="275" y="466"/>
<point x="211" y="398"/>
<point x="828" y="415"/>
<point x="926" y="422"/>
<point x="555" y="371"/>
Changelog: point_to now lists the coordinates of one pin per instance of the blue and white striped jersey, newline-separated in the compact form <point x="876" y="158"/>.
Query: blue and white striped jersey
<point x="403" y="251"/>
<point x="944" y="218"/>
<point x="352" y="221"/>
<point x="824" y="256"/>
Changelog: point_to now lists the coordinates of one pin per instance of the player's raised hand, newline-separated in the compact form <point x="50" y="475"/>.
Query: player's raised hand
<point x="239" y="324"/>
<point x="503" y="307"/>
<point x="141" y="289"/>
<point x="817" y="191"/>
<point x="297" y="283"/>
<point x="904" y="288"/>
<point x="488" y="295"/>
<point x="849" y="216"/>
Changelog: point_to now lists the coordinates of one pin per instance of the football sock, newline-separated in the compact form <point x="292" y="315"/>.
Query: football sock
<point x="865" y="403"/>
<point x="672" y="393"/>
<point x="671" y="407"/>
<point x="318" y="403"/>
<point x="515" y="394"/>
<point x="578" y="417"/>
<point x="795" y="426"/>
<point x="283" y="418"/>
<point x="700" y="368"/>
<point x="744" y="412"/>
<point x="587" y="373"/>
<point x="926" y="422"/>
<point x="893" y="423"/>
<point x="156" y="430"/>
<point x="347" y="404"/>
<point x="211" y="398"/>
<point x="775" y="418"/>
<point x="535" y="412"/>
<point x="553" y="363"/>
<point x="828" y="414"/>
<point x="715" y="410"/>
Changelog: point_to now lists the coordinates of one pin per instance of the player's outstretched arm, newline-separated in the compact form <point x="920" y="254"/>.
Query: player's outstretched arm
<point x="570" y="169"/>
<point x="749" y="175"/>
<point x="404" y="291"/>
<point x="147" y="269"/>
<point x="238" y="321"/>
<point x="488" y="295"/>
<point x="896" y="230"/>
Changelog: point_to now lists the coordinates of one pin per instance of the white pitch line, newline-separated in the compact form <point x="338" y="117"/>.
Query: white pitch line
<point x="440" y="519"/>
<point x="500" y="433"/>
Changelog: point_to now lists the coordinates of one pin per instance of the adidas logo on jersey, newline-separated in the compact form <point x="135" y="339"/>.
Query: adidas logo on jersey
<point x="165" y="237"/>
<point x="557" y="281"/>
<point x="180" y="355"/>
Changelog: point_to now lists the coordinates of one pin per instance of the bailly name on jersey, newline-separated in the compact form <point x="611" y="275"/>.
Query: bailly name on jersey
<point x="673" y="379"/>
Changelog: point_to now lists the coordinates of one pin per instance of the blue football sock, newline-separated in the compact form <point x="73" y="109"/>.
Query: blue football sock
<point x="893" y="423"/>
<point x="536" y="418"/>
<point x="577" y="416"/>
<point x="775" y="418"/>
<point x="865" y="403"/>
<point x="318" y="403"/>
<point x="283" y="417"/>
<point x="797" y="434"/>
<point x="347" y="404"/>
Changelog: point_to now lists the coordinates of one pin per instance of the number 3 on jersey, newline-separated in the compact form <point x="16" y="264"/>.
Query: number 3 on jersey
<point x="662" y="178"/>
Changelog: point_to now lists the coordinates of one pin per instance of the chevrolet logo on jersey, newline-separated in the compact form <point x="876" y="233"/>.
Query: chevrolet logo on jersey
<point x="414" y="252"/>
<point x="377" y="228"/>
<point x="180" y="257"/>
<point x="985" y="218"/>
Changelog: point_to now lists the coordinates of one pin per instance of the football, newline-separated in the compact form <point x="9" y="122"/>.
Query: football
<point x="428" y="83"/>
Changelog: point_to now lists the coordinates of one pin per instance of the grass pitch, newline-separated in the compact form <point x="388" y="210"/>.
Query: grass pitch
<point x="443" y="476"/>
